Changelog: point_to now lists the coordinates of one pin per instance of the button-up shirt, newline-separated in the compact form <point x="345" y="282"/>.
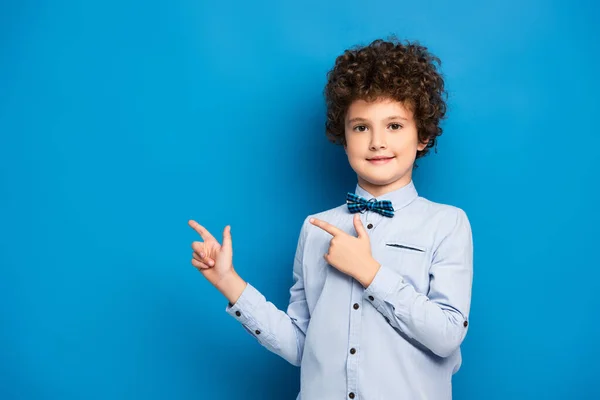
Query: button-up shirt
<point x="398" y="338"/>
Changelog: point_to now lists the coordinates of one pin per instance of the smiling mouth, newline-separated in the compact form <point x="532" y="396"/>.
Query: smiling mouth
<point x="379" y="160"/>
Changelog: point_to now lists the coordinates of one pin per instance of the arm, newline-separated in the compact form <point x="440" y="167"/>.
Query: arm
<point x="283" y="333"/>
<point x="437" y="320"/>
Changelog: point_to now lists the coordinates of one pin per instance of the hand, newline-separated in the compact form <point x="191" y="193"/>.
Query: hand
<point x="209" y="257"/>
<point x="350" y="255"/>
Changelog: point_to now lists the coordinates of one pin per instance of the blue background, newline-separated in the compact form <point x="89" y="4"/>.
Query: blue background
<point x="119" y="121"/>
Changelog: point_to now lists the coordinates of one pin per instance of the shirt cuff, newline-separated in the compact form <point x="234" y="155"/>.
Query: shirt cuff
<point x="243" y="311"/>
<point x="385" y="282"/>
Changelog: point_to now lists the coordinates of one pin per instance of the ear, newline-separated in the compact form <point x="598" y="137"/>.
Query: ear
<point x="421" y="146"/>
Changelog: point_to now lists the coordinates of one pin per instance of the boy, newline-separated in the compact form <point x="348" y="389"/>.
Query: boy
<point x="382" y="284"/>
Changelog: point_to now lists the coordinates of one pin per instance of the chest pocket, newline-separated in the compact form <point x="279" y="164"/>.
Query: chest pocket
<point x="408" y="259"/>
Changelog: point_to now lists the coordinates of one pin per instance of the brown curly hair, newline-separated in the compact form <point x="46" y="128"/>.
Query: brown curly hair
<point x="405" y="72"/>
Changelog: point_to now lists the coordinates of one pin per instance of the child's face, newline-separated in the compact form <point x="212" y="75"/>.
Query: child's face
<point x="383" y="128"/>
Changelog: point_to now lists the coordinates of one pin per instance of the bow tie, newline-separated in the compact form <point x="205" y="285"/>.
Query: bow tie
<point x="359" y="204"/>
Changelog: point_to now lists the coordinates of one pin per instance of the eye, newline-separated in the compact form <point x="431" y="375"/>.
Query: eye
<point x="359" y="128"/>
<point x="395" y="127"/>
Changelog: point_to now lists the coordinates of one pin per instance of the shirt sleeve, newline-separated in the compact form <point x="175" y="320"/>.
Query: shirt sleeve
<point x="281" y="332"/>
<point x="438" y="320"/>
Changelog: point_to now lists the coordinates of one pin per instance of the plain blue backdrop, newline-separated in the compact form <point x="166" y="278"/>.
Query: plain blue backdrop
<point x="119" y="121"/>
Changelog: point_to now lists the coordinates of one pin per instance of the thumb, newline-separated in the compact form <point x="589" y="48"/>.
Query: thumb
<point x="227" y="238"/>
<point x="358" y="226"/>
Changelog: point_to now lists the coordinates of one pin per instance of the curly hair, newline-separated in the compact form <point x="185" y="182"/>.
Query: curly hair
<point x="405" y="72"/>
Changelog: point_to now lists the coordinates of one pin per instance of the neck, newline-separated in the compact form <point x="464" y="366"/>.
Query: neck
<point x="380" y="190"/>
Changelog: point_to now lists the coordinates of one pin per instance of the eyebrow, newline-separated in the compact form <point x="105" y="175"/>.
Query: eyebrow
<point x="359" y="119"/>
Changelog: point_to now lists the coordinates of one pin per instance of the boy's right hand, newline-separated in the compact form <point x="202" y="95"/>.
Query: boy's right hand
<point x="213" y="260"/>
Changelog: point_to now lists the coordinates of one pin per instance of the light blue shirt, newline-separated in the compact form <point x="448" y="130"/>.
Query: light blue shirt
<point x="400" y="337"/>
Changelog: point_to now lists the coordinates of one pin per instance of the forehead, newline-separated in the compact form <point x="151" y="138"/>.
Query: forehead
<point x="378" y="109"/>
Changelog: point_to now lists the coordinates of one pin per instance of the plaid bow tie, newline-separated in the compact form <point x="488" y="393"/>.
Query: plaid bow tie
<point x="358" y="204"/>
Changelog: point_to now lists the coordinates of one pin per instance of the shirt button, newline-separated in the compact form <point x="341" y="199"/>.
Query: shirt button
<point x="257" y="332"/>
<point x="351" y="395"/>
<point x="371" y="298"/>
<point x="352" y="350"/>
<point x="238" y="313"/>
<point x="369" y="226"/>
<point x="465" y="324"/>
<point x="356" y="306"/>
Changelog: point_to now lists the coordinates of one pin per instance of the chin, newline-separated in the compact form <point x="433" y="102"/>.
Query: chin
<point x="383" y="178"/>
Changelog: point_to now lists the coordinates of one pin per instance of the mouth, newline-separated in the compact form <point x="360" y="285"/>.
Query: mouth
<point x="380" y="160"/>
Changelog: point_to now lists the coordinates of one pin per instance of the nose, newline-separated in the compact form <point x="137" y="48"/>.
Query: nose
<point x="377" y="140"/>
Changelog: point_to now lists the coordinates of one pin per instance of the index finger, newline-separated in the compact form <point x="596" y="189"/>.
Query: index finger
<point x="201" y="230"/>
<point x="326" y="226"/>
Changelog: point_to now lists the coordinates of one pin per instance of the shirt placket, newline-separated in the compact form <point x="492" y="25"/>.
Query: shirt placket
<point x="354" y="340"/>
<point x="370" y="220"/>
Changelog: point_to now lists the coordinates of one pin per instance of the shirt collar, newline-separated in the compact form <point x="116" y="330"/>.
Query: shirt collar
<point x="400" y="198"/>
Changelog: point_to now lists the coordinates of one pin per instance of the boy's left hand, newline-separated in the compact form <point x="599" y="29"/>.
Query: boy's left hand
<point x="349" y="254"/>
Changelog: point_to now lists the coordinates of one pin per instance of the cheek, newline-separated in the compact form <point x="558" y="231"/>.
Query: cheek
<point x="353" y="150"/>
<point x="406" y="143"/>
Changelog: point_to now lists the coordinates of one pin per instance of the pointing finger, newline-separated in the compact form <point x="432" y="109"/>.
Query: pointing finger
<point x="326" y="226"/>
<point x="205" y="234"/>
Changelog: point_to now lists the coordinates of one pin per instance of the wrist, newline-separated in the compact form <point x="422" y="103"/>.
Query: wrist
<point x="231" y="285"/>
<point x="367" y="273"/>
